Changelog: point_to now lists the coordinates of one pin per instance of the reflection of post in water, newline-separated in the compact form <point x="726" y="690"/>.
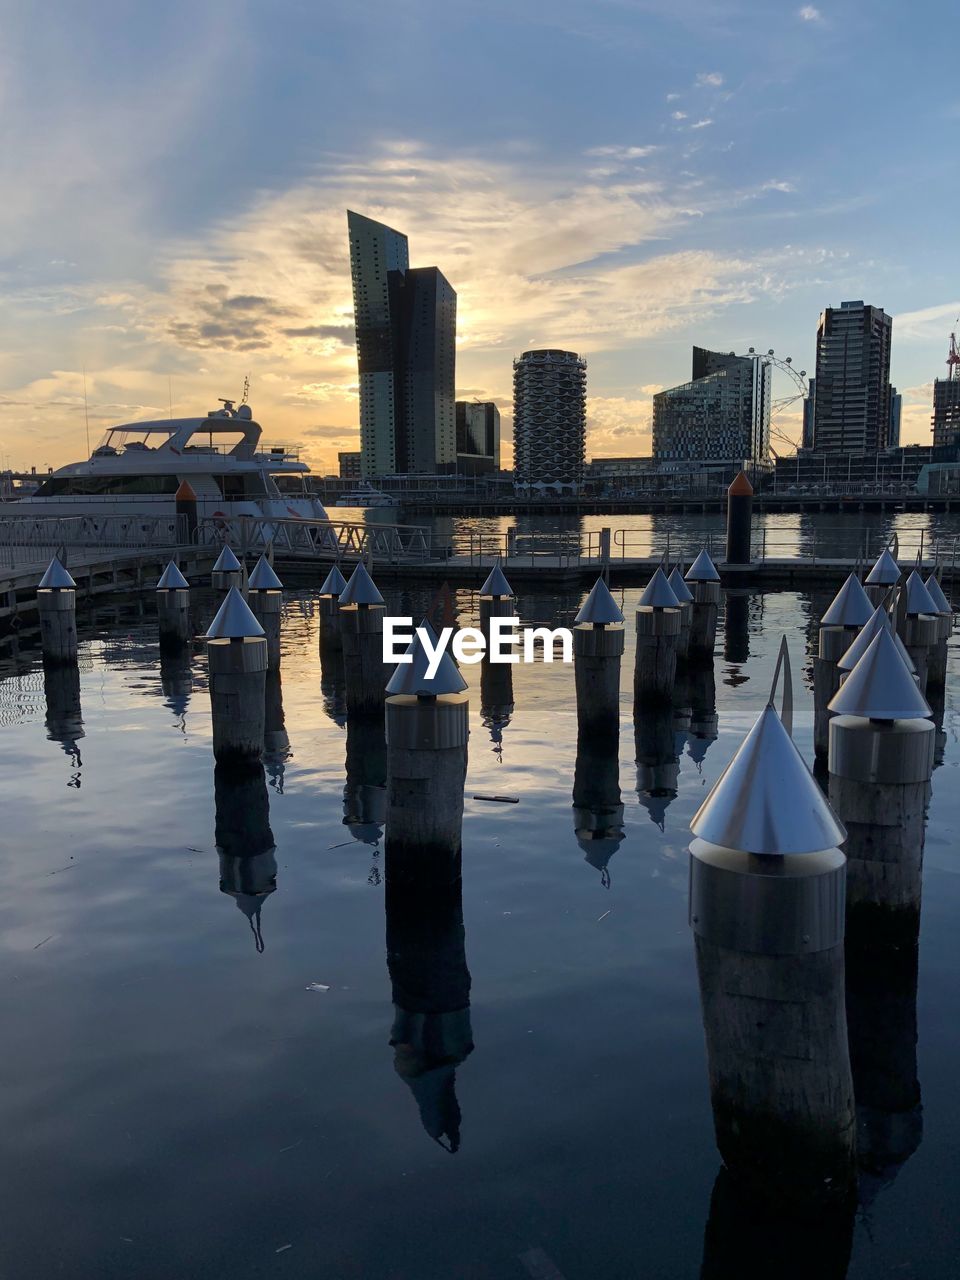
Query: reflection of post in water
<point x="658" y="766"/>
<point x="176" y="683"/>
<point x="701" y="690"/>
<point x="597" y="809"/>
<point x="430" y="982"/>
<point x="64" y="721"/>
<point x="276" y="742"/>
<point x="333" y="685"/>
<point x="248" y="865"/>
<point x="365" y="791"/>
<point x="496" y="700"/>
<point x="736" y="626"/>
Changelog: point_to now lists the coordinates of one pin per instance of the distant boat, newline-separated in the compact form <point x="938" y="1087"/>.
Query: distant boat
<point x="366" y="496"/>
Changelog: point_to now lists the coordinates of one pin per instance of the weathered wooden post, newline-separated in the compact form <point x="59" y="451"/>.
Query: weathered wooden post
<point x="848" y="612"/>
<point x="237" y="665"/>
<point x="597" y="807"/>
<point x="428" y="723"/>
<point x="685" y="600"/>
<point x="227" y="571"/>
<point x="704" y="582"/>
<point x="173" y="610"/>
<point x="245" y="844"/>
<point x="937" y="659"/>
<point x="361" y="631"/>
<point x="739" y="520"/>
<point x="880" y="762"/>
<point x="598" y="642"/>
<point x="496" y="599"/>
<point x="57" y="607"/>
<point x="658" y="635"/>
<point x="918" y="625"/>
<point x="657" y="760"/>
<point x="265" y="597"/>
<point x="365" y="788"/>
<point x="430" y="983"/>
<point x="767" y="910"/>
<point x="329" y="614"/>
<point x="882" y="578"/>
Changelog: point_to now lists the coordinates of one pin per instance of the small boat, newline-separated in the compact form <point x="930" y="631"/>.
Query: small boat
<point x="366" y="496"/>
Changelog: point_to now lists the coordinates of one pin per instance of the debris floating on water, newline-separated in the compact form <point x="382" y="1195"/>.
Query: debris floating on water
<point x="499" y="799"/>
<point x="317" y="986"/>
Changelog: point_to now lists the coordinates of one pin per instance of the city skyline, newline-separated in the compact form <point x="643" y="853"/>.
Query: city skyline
<point x="157" y="230"/>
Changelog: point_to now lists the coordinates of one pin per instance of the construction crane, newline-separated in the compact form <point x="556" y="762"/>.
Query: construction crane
<point x="953" y="358"/>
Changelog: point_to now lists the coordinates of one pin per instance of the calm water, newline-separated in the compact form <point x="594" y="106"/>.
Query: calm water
<point x="178" y="1102"/>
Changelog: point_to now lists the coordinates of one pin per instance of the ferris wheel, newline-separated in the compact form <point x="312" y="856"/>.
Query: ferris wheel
<point x="797" y="393"/>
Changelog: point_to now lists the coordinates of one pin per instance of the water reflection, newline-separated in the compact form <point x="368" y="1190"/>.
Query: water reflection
<point x="64" y="720"/>
<point x="333" y="688"/>
<point x="365" y="791"/>
<point x="245" y="845"/>
<point x="430" y="983"/>
<point x="736" y="626"/>
<point x="496" y="701"/>
<point x="276" y="741"/>
<point x="658" y="764"/>
<point x="700" y="694"/>
<point x="176" y="683"/>
<point x="597" y="808"/>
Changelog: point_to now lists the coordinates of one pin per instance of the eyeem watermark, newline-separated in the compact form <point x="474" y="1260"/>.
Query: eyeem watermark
<point x="470" y="644"/>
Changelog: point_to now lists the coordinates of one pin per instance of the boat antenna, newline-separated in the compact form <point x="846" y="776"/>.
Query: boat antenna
<point x="246" y="388"/>
<point x="86" y="413"/>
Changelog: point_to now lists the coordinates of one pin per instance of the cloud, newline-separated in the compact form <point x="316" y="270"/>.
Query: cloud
<point x="778" y="184"/>
<point x="711" y="79"/>
<point x="679" y="115"/>
<point x="622" y="153"/>
<point x="927" y="324"/>
<point x="809" y="14"/>
<point x="702" y="124"/>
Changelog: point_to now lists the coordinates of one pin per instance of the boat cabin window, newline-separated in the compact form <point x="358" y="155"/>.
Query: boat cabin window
<point x="95" y="486"/>
<point x="248" y="484"/>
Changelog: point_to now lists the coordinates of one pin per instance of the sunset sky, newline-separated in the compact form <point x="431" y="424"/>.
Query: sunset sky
<point x="620" y="177"/>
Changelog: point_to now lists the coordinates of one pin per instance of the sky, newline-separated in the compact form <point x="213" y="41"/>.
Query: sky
<point x="623" y="178"/>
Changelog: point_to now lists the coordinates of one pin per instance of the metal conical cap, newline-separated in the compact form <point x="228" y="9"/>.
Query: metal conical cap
<point x="679" y="587"/>
<point x="879" y="621"/>
<point x="360" y="589"/>
<point x="659" y="594"/>
<point x="919" y="599"/>
<point x="333" y="583"/>
<point x="234" y="620"/>
<point x="263" y="578"/>
<point x="56" y="577"/>
<point x="599" y="606"/>
<point x="172" y="579"/>
<point x="851" y="606"/>
<point x="411" y="677"/>
<point x="885" y="572"/>
<point x="227" y="562"/>
<point x="880" y="687"/>
<point x="766" y="800"/>
<point x="702" y="570"/>
<point x="496" y="584"/>
<point x="937" y="596"/>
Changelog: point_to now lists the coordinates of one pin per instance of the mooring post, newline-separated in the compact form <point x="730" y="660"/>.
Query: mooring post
<point x="937" y="658"/>
<point x="361" y="631"/>
<point x="658" y="635"/>
<point x="739" y="521"/>
<point x="173" y="609"/>
<point x="598" y="643"/>
<point x="227" y="571"/>
<point x="57" y="607"/>
<point x="496" y="599"/>
<point x="237" y="666"/>
<point x="884" y="575"/>
<point x="848" y="612"/>
<point x="597" y="806"/>
<point x="185" y="501"/>
<point x="428" y="723"/>
<point x="704" y="582"/>
<point x="244" y="840"/>
<point x="881" y="761"/>
<point x="685" y="601"/>
<point x="265" y="597"/>
<point x="330" y="640"/>
<point x="919" y="625"/>
<point x="767" y="910"/>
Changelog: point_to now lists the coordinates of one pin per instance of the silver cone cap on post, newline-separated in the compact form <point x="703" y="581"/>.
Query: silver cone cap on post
<point x="496" y="585"/>
<point x="880" y="687"/>
<point x="172" y="579"/>
<point x="937" y="596"/>
<point x="411" y="677"/>
<point x="234" y="619"/>
<point x="333" y="583"/>
<point x="679" y="587"/>
<point x="360" y="589"/>
<point x="702" y="570"/>
<point x="919" y="599"/>
<point x="880" y="621"/>
<point x="56" y="577"/>
<point x="600" y="608"/>
<point x="850" y="607"/>
<point x="885" y="572"/>
<point x="766" y="800"/>
<point x="263" y="577"/>
<point x="659" y="594"/>
<point x="227" y="562"/>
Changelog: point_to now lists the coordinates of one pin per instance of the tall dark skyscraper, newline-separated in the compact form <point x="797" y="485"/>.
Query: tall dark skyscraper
<point x="406" y="324"/>
<point x="852" y="409"/>
<point x="722" y="413"/>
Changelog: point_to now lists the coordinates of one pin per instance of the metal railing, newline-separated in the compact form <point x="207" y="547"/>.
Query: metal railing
<point x="319" y="539"/>
<point x="30" y="539"/>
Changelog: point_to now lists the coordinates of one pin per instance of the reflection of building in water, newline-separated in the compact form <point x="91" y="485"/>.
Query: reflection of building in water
<point x="64" y="721"/>
<point x="248" y="864"/>
<point x="496" y="700"/>
<point x="736" y="626"/>
<point x="597" y="809"/>
<point x="365" y="791"/>
<point x="276" y="742"/>
<point x="21" y="695"/>
<point x="176" y="683"/>
<point x="658" y="766"/>
<point x="430" y="982"/>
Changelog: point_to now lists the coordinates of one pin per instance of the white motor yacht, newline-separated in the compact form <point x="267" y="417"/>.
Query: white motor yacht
<point x="138" y="467"/>
<point x="366" y="496"/>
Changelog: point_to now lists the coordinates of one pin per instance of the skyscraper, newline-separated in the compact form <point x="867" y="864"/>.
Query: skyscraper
<point x="478" y="437"/>
<point x="723" y="413"/>
<point x="852" y="410"/>
<point x="549" y="421"/>
<point x="406" y="322"/>
<point x="896" y="414"/>
<point x="946" y="410"/>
